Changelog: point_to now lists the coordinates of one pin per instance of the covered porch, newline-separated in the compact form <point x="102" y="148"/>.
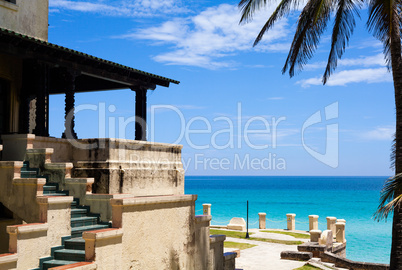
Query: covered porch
<point x="32" y="69"/>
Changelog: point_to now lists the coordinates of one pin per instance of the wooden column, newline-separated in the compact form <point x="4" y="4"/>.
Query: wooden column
<point x="140" y="113"/>
<point x="69" y="118"/>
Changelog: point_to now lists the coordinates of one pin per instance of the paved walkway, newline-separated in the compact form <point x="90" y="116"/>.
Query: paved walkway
<point x="265" y="256"/>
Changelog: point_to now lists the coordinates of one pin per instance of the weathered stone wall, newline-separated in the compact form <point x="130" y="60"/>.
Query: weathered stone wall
<point x="118" y="166"/>
<point x="158" y="232"/>
<point x="230" y="260"/>
<point x="216" y="258"/>
<point x="26" y="17"/>
<point x="128" y="166"/>
<point x="346" y="263"/>
<point x="202" y="246"/>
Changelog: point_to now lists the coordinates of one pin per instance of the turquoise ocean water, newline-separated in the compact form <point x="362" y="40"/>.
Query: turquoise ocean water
<point x="354" y="199"/>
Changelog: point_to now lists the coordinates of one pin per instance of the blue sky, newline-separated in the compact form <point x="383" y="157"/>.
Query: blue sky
<point x="234" y="112"/>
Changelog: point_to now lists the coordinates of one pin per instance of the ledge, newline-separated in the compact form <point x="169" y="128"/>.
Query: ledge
<point x="8" y="258"/>
<point x="11" y="164"/>
<point x="17" y="136"/>
<point x="102" y="234"/>
<point x="29" y="181"/>
<point x="79" y="181"/>
<point x="202" y="218"/>
<point x="77" y="266"/>
<point x="59" y="166"/>
<point x="217" y="238"/>
<point x="40" y="151"/>
<point x="107" y="197"/>
<point x="152" y="200"/>
<point x="346" y="263"/>
<point x="54" y="199"/>
<point x="111" y="143"/>
<point x="296" y="255"/>
<point x="115" y="164"/>
<point x="27" y="228"/>
<point x="138" y="143"/>
<point x="229" y="255"/>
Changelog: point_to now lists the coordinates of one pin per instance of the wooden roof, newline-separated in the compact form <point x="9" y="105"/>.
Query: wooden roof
<point x="95" y="73"/>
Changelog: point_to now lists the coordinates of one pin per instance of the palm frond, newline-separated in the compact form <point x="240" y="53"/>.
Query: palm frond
<point x="248" y="7"/>
<point x="390" y="198"/>
<point x="312" y="23"/>
<point x="281" y="10"/>
<point x="381" y="17"/>
<point x="343" y="28"/>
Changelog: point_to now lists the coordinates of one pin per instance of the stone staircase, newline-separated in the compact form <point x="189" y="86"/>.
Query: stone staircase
<point x="56" y="229"/>
<point x="72" y="249"/>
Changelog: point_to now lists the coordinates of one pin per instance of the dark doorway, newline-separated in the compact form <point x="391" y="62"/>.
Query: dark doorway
<point x="4" y="106"/>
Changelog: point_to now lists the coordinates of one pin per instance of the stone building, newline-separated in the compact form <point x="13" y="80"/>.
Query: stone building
<point x="69" y="203"/>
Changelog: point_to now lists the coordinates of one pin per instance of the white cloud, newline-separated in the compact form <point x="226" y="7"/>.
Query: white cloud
<point x="129" y="8"/>
<point x="205" y="39"/>
<point x="379" y="133"/>
<point x="366" y="61"/>
<point x="275" y="98"/>
<point x="363" y="61"/>
<point x="342" y="78"/>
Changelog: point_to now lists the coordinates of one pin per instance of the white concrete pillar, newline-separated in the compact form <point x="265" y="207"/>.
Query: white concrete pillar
<point x="313" y="222"/>
<point x="206" y="209"/>
<point x="331" y="224"/>
<point x="315" y="235"/>
<point x="340" y="232"/>
<point x="291" y="219"/>
<point x="341" y="220"/>
<point x="262" y="219"/>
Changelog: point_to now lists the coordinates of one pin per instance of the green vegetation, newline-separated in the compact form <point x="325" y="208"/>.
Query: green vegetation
<point x="306" y="267"/>
<point x="230" y="233"/>
<point x="295" y="235"/>
<point x="243" y="235"/>
<point x="228" y="244"/>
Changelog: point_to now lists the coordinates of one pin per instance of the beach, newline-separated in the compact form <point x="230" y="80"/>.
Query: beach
<point x="354" y="199"/>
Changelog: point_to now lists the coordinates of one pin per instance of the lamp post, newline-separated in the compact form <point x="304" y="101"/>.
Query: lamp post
<point x="247" y="236"/>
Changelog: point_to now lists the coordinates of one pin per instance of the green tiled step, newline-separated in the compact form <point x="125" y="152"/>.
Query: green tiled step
<point x="73" y="249"/>
<point x="27" y="172"/>
<point x="78" y="212"/>
<point x="77" y="231"/>
<point x="49" y="189"/>
<point x="30" y="174"/>
<point x="75" y="243"/>
<point x="54" y="263"/>
<point x="74" y="204"/>
<point x="83" y="221"/>
<point x="70" y="255"/>
<point x="56" y="193"/>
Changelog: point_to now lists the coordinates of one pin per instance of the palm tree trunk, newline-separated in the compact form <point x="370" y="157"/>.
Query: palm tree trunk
<point x="396" y="249"/>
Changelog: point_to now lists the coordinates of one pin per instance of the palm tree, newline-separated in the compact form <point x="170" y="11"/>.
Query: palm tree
<point x="384" y="23"/>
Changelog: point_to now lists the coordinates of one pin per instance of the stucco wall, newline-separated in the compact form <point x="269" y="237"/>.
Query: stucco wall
<point x="216" y="258"/>
<point x="26" y="17"/>
<point x="202" y="242"/>
<point x="118" y="166"/>
<point x="159" y="232"/>
<point x="30" y="243"/>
